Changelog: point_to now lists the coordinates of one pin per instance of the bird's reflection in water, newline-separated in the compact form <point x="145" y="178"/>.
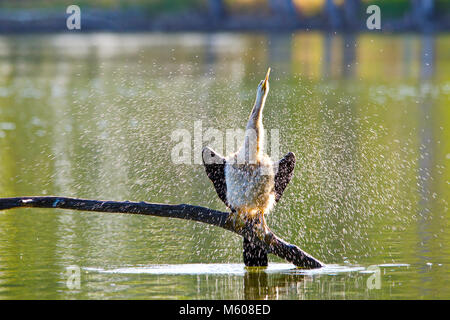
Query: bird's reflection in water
<point x="259" y="284"/>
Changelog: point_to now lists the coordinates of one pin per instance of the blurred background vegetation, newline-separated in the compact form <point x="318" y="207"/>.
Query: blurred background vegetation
<point x="336" y="14"/>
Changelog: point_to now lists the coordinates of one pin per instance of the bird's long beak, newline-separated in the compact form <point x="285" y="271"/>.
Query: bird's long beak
<point x="266" y="80"/>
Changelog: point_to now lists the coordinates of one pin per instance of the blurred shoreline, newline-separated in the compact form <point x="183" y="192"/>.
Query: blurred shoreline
<point x="135" y="20"/>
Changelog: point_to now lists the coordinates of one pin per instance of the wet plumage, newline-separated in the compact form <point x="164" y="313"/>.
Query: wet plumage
<point x="248" y="181"/>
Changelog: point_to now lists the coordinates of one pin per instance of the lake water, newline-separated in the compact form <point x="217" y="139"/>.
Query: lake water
<point x="93" y="116"/>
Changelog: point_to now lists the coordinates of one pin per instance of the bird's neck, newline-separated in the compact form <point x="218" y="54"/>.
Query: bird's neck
<point x="256" y="114"/>
<point x="252" y="150"/>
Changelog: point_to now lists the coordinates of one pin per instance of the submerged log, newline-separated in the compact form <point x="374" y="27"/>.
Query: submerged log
<point x="257" y="236"/>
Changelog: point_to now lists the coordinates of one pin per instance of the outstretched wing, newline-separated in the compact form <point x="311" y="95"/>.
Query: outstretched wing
<point x="284" y="174"/>
<point x="215" y="169"/>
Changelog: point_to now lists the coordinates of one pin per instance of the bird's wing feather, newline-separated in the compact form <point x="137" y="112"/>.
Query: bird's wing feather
<point x="215" y="169"/>
<point x="284" y="174"/>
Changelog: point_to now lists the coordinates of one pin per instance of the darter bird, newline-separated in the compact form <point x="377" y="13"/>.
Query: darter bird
<point x="248" y="181"/>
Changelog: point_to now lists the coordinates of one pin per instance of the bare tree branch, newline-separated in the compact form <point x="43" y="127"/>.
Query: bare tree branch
<point x="255" y="231"/>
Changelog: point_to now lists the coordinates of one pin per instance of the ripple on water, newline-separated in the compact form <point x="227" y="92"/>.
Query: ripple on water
<point x="236" y="269"/>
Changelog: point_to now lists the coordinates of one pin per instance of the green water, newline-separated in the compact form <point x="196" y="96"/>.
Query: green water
<point x="92" y="115"/>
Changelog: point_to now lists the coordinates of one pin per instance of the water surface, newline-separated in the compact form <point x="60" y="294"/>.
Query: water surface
<point x="92" y="115"/>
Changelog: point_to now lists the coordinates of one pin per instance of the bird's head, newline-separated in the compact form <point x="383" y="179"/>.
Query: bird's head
<point x="263" y="87"/>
